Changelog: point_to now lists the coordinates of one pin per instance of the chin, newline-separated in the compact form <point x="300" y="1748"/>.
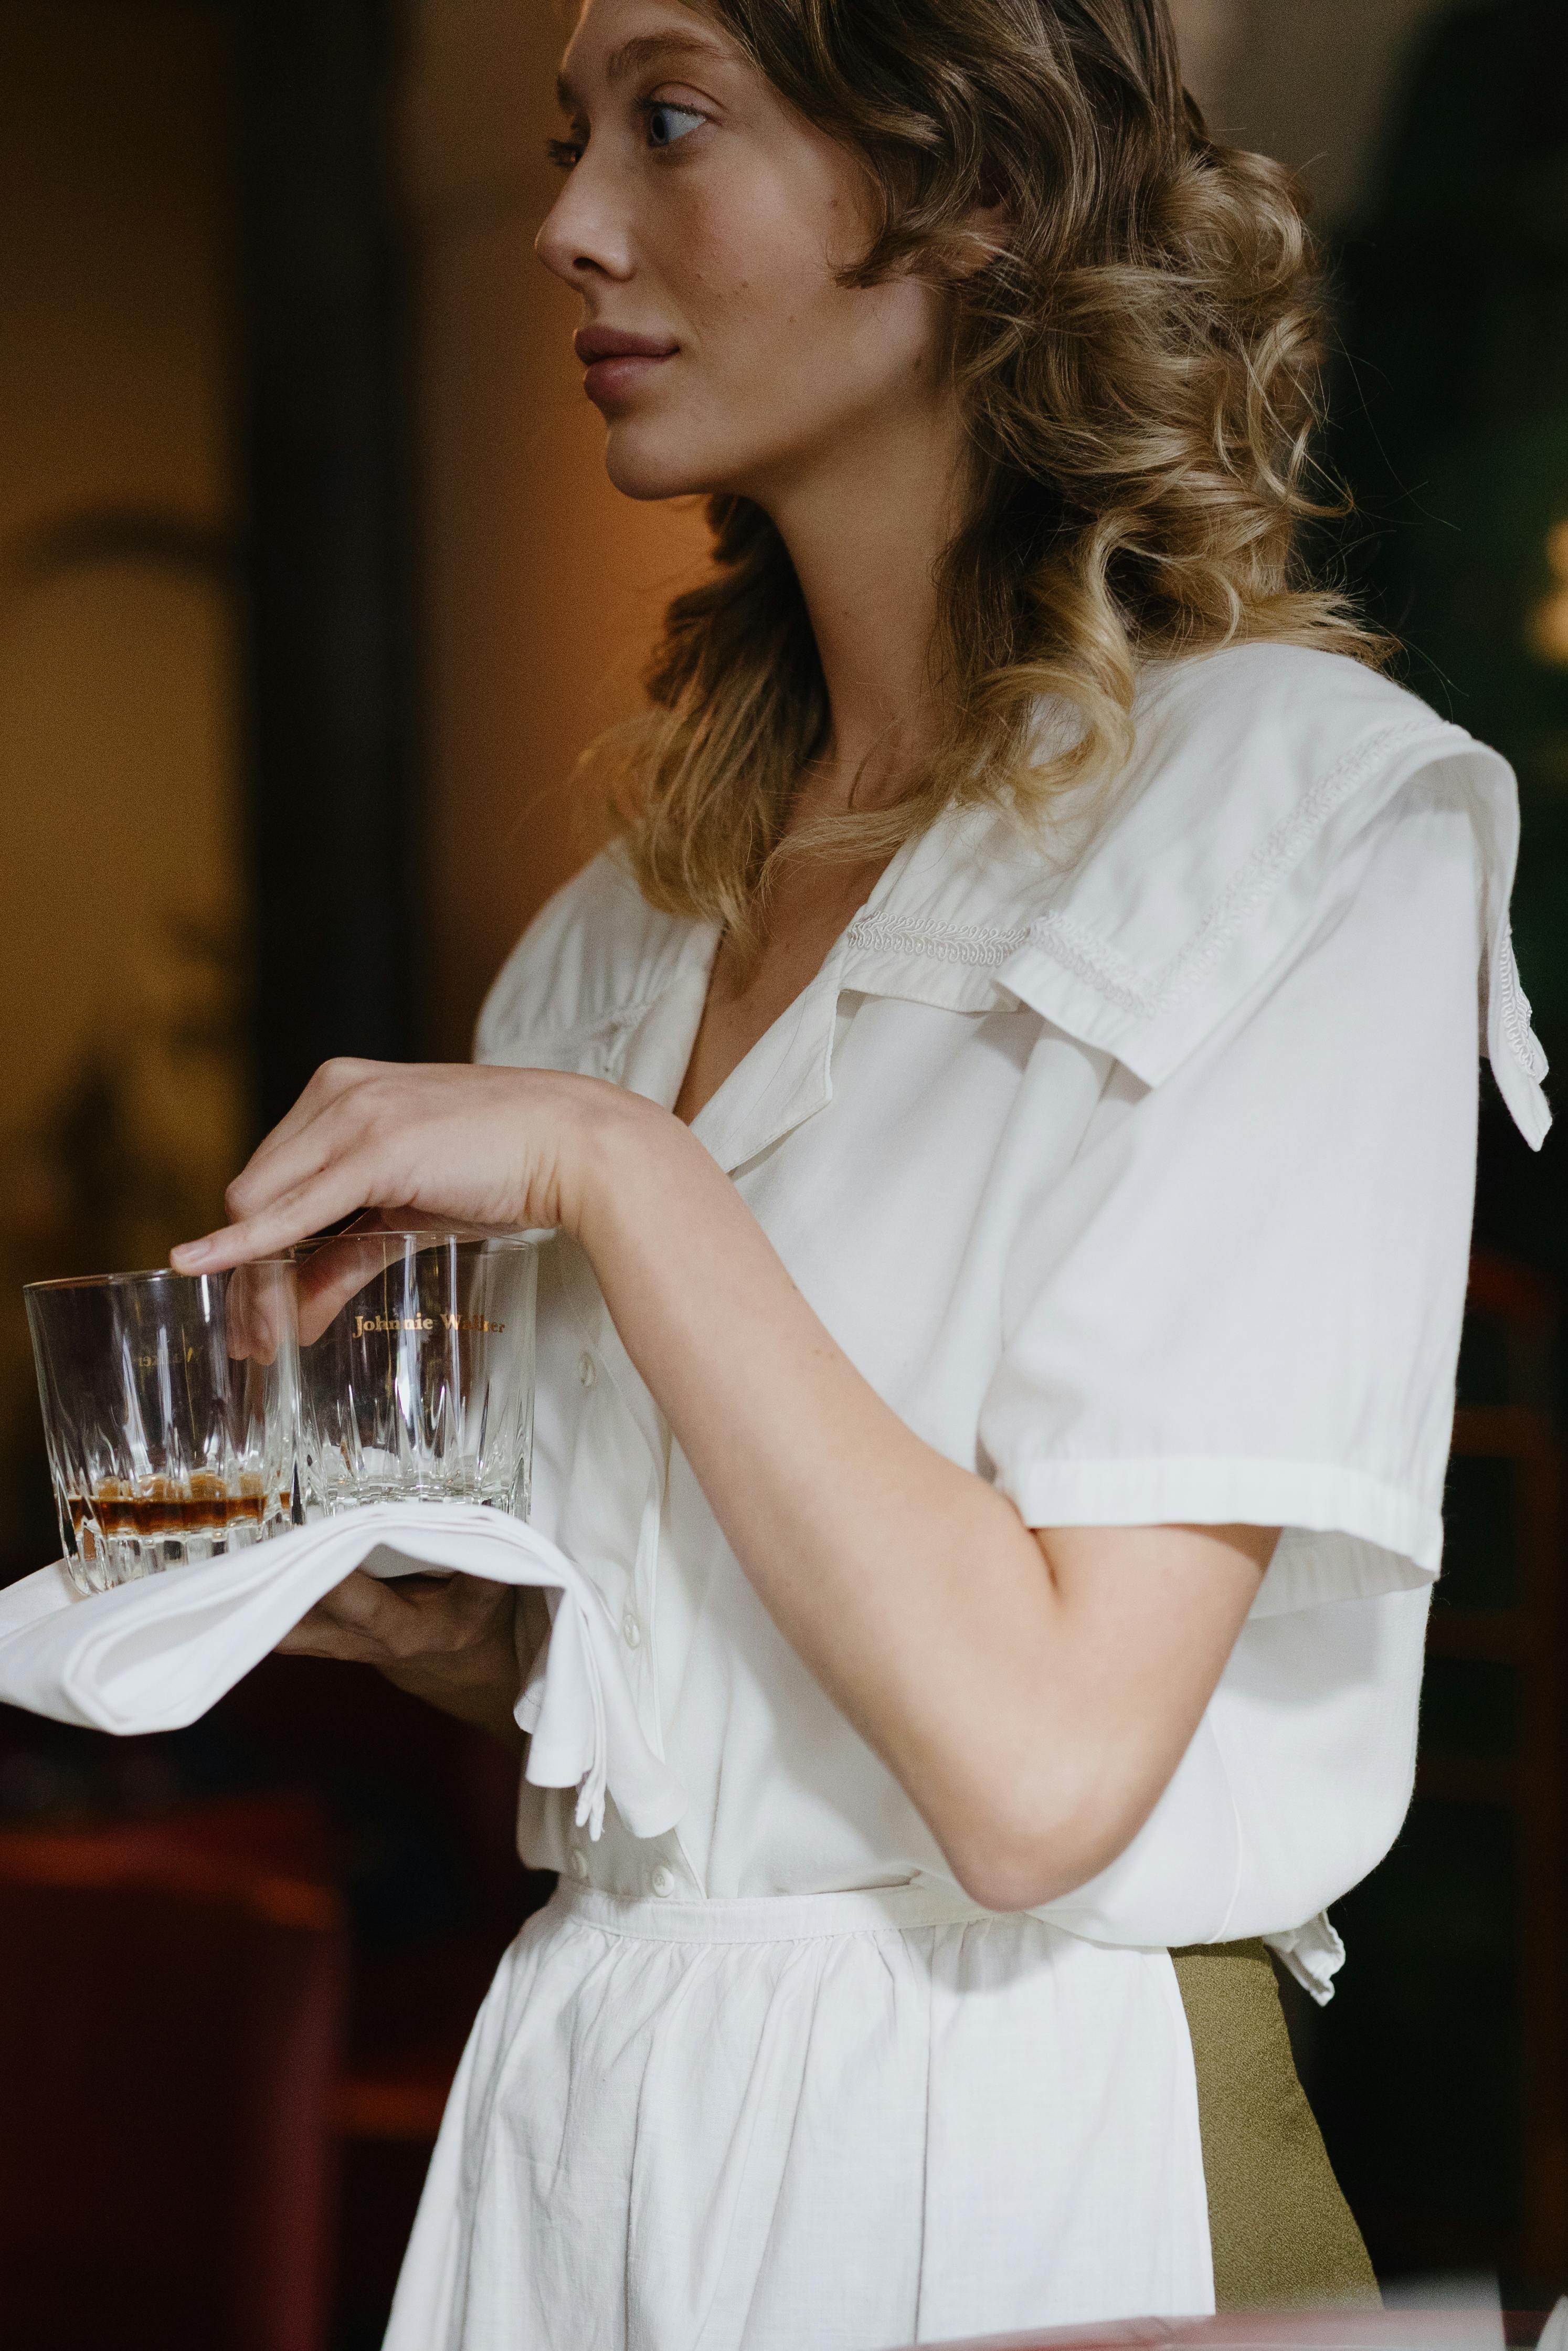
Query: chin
<point x="647" y="457"/>
<point x="640" y="467"/>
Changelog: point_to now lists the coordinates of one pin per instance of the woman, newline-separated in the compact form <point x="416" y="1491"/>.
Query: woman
<point x="1008" y="1114"/>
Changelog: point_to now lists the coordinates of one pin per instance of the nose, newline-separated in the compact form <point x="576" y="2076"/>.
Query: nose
<point x="585" y="234"/>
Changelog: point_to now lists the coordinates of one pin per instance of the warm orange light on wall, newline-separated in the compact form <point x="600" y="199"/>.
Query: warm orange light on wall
<point x="543" y="585"/>
<point x="1549" y="622"/>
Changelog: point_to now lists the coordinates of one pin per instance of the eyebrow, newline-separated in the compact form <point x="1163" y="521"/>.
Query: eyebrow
<point x="641" y="50"/>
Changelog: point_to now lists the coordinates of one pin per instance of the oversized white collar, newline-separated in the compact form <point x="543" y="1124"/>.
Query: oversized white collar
<point x="1134" y="926"/>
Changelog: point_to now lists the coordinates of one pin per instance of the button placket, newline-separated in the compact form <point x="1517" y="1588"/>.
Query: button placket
<point x="606" y="1356"/>
<point x="637" y="1614"/>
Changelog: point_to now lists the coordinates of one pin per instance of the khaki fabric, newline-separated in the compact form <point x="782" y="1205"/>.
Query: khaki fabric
<point x="1282" y="2230"/>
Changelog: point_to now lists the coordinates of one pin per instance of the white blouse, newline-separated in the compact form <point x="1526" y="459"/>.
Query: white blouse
<point x="1135" y="1170"/>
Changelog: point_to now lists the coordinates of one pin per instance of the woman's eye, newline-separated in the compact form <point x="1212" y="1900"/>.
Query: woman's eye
<point x="668" y="123"/>
<point x="564" y="153"/>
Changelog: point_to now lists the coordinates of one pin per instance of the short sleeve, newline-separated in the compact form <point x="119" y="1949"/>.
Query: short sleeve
<point x="1242" y="1304"/>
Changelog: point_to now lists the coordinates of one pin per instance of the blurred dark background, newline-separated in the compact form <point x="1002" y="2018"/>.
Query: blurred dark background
<point x="310" y="589"/>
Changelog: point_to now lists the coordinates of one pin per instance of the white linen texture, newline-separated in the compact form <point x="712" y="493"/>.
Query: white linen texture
<point x="1131" y="1164"/>
<point x="1242" y="1302"/>
<point x="155" y="1653"/>
<point x="1136" y="1179"/>
<point x="848" y="2121"/>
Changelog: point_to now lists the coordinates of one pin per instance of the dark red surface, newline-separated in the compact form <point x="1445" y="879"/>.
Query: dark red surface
<point x="170" y="2018"/>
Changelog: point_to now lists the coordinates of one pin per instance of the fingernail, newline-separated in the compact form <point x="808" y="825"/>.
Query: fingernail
<point x="187" y="1255"/>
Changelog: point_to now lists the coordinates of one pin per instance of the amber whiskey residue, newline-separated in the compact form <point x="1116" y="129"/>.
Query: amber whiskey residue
<point x="199" y="1504"/>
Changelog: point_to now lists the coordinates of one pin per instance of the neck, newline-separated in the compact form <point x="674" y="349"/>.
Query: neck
<point x="866" y="532"/>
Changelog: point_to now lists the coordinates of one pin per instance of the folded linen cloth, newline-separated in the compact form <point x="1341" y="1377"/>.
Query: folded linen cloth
<point x="154" y="1655"/>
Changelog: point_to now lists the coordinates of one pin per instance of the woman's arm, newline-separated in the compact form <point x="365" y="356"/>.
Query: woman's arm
<point x="1032" y="1694"/>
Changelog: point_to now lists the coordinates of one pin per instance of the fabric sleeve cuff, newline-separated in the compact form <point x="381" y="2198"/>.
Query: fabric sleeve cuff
<point x="1346" y="1536"/>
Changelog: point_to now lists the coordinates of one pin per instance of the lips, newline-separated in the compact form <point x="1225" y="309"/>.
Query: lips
<point x="618" y="361"/>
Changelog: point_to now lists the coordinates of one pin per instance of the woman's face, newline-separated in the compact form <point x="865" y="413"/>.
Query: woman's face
<point x="702" y="221"/>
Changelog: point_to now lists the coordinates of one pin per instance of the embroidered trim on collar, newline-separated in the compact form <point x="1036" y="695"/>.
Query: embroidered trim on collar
<point x="1516" y="1016"/>
<point x="1090" y="958"/>
<point x="986" y="945"/>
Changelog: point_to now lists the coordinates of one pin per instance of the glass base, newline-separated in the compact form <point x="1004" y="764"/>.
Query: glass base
<point x="364" y="1491"/>
<point x="103" y="1561"/>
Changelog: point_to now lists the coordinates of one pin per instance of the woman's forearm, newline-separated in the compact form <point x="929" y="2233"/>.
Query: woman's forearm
<point x="486" y="1701"/>
<point x="478" y="1681"/>
<point x="1031" y="1696"/>
<point x="1031" y="1693"/>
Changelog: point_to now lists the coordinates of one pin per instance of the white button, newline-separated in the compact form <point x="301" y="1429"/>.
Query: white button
<point x="631" y="1631"/>
<point x="577" y="1861"/>
<point x="585" y="1371"/>
<point x="663" y="1881"/>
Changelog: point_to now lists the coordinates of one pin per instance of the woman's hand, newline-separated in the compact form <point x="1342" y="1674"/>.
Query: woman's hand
<point x="500" y="1150"/>
<point x="1031" y="1691"/>
<point x="451" y="1640"/>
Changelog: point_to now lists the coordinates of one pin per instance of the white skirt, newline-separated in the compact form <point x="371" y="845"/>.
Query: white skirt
<point x="848" y="2120"/>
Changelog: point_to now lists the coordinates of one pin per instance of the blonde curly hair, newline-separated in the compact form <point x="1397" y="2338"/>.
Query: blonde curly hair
<point x="1137" y="370"/>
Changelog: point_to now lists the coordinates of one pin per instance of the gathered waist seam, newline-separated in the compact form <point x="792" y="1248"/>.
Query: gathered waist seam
<point x="769" y="1918"/>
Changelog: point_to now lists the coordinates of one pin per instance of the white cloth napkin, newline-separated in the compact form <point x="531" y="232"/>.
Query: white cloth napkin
<point x="154" y="1655"/>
